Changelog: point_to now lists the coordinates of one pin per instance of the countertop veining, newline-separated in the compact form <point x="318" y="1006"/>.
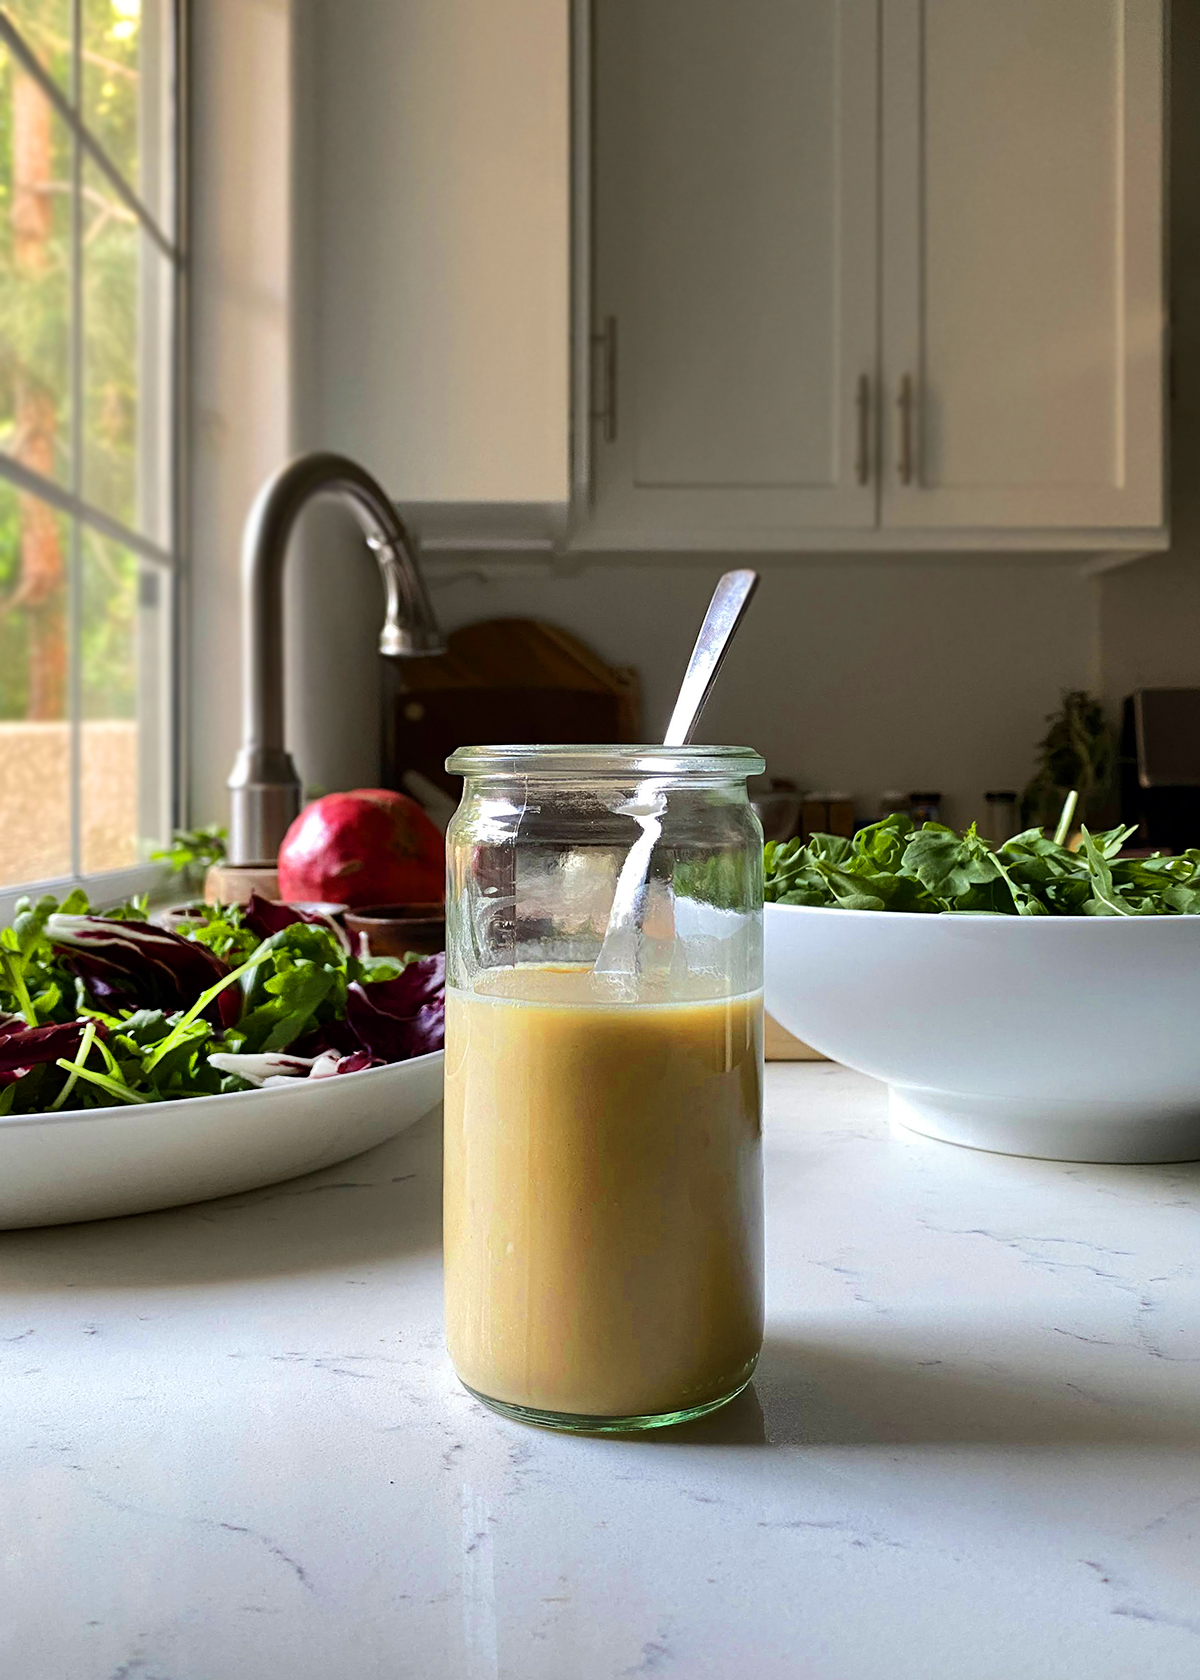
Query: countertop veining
<point x="234" y="1448"/>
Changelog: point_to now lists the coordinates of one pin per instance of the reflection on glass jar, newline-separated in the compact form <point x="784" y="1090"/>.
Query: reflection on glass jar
<point x="603" y="1177"/>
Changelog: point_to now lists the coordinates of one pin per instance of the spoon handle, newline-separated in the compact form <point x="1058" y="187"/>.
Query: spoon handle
<point x="620" y="948"/>
<point x="730" y="600"/>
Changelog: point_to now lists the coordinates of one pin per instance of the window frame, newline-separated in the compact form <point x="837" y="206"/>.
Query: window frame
<point x="168" y="559"/>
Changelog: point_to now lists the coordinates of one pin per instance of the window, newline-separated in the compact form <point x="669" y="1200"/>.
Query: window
<point x="89" y="292"/>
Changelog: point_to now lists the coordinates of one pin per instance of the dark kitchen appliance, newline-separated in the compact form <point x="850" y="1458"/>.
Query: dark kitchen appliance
<point x="1160" y="767"/>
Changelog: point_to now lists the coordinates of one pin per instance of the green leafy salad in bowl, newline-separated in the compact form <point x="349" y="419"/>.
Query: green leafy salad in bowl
<point x="105" y="1009"/>
<point x="892" y="865"/>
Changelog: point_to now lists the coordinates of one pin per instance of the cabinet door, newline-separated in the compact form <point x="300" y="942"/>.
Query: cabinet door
<point x="1022" y="263"/>
<point x="735" y="286"/>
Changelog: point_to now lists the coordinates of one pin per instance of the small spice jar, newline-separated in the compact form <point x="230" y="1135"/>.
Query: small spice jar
<point x="1001" y="818"/>
<point x="925" y="807"/>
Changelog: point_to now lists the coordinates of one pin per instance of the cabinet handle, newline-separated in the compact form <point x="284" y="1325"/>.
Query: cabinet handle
<point x="605" y="341"/>
<point x="862" y="403"/>
<point x="906" y="403"/>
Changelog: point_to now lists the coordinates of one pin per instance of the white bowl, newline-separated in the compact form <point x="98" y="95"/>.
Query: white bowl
<point x="99" y="1162"/>
<point x="1071" y="1038"/>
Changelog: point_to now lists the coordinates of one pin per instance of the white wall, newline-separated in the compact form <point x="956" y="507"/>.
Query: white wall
<point x="849" y="675"/>
<point x="852" y="676"/>
<point x="241" y="239"/>
<point x="1150" y="611"/>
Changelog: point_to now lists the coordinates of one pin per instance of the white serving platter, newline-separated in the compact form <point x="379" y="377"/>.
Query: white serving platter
<point x="101" y="1162"/>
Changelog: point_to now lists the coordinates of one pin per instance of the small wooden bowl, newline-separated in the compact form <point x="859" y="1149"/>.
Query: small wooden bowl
<point x="232" y="883"/>
<point x="393" y="929"/>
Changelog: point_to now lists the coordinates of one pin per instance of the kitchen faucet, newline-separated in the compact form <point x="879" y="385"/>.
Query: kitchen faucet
<point x="264" y="787"/>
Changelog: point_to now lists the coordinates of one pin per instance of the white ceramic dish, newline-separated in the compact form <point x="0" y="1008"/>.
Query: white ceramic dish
<point x="1071" y="1038"/>
<point x="100" y="1162"/>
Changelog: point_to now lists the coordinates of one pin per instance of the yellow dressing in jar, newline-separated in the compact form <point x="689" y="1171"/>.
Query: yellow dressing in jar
<point x="603" y="1194"/>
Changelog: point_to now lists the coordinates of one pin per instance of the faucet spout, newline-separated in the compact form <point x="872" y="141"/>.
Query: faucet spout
<point x="264" y="786"/>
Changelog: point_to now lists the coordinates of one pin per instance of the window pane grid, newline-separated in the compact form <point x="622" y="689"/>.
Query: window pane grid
<point x="67" y="107"/>
<point x="150" y="534"/>
<point x="106" y="519"/>
<point x="75" y="625"/>
<point x="65" y="501"/>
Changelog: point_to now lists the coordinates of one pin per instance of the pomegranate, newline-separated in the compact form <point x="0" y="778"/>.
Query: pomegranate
<point x="370" y="846"/>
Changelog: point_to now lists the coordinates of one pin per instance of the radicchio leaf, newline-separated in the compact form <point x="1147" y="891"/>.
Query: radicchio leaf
<point x="357" y="1062"/>
<point x="337" y="1036"/>
<point x="263" y="916"/>
<point x="257" y="1069"/>
<point x="136" y="965"/>
<point x="277" y="1068"/>
<point x="396" y="1019"/>
<point x="22" y="1048"/>
<point x="329" y="1064"/>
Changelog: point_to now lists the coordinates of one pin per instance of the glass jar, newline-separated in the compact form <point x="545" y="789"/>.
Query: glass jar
<point x="603" y="1157"/>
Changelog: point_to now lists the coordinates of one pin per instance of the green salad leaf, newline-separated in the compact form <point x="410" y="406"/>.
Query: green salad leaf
<point x="32" y="983"/>
<point x="193" y="848"/>
<point x="934" y="870"/>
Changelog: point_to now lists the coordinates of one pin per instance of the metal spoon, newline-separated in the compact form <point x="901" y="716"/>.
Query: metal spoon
<point x="729" y="601"/>
<point x="731" y="597"/>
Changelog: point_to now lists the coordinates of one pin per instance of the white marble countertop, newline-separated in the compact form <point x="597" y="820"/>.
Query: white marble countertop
<point x="234" y="1450"/>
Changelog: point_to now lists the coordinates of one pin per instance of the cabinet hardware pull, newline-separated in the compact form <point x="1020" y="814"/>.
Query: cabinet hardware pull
<point x="906" y="403"/>
<point x="606" y="342"/>
<point x="862" y="402"/>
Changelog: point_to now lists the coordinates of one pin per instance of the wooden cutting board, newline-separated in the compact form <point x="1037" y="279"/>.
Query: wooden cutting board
<point x="504" y="679"/>
<point x="779" y="1045"/>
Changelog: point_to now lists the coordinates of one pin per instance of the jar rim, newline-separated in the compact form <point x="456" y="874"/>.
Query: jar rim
<point x="583" y="759"/>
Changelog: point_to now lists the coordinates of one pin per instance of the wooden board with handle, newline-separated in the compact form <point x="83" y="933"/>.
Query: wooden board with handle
<point x="507" y="679"/>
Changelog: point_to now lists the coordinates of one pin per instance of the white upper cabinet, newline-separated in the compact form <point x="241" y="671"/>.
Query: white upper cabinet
<point x="871" y="276"/>
<point x="1022" y="298"/>
<point x="433" y="256"/>
<point x="735" y="303"/>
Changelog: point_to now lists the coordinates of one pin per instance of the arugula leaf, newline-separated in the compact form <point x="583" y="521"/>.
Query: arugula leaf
<point x="221" y="929"/>
<point x="883" y="842"/>
<point x="193" y="848"/>
<point x="1105" y="900"/>
<point x="24" y="952"/>
<point x="949" y="867"/>
<point x="113" y="1087"/>
<point x="301" y="983"/>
